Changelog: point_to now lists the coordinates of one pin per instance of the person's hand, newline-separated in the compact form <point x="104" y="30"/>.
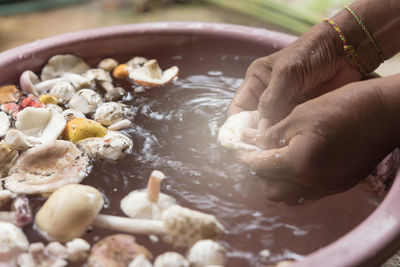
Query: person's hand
<point x="325" y="145"/>
<point x="311" y="66"/>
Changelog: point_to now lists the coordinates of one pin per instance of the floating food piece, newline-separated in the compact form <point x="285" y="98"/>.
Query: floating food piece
<point x="68" y="212"/>
<point x="5" y="196"/>
<point x="19" y="141"/>
<point x="108" y="64"/>
<point x="78" y="81"/>
<point x="10" y="108"/>
<point x="12" y="243"/>
<point x="112" y="112"/>
<point x="4" y="123"/>
<point x="171" y="259"/>
<point x="63" y="91"/>
<point x="39" y="255"/>
<point x="140" y="261"/>
<point x="98" y="75"/>
<point x="48" y="99"/>
<point x="136" y="62"/>
<point x="151" y="75"/>
<point x="113" y="146"/>
<point x="70" y="114"/>
<point x="46" y="167"/>
<point x="77" y="249"/>
<point x="30" y="101"/>
<point x="121" y="72"/>
<point x="7" y="158"/>
<point x="149" y="204"/>
<point x="85" y="101"/>
<point x="116" y="250"/>
<point x="27" y="81"/>
<point x="230" y="134"/>
<point x="113" y="93"/>
<point x="9" y="93"/>
<point x="120" y="125"/>
<point x="60" y="64"/>
<point x="81" y="128"/>
<point x="206" y="252"/>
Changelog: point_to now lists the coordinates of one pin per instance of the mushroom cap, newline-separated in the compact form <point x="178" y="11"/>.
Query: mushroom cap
<point x="43" y="124"/>
<point x="112" y="112"/>
<point x="120" y="125"/>
<point x="171" y="259"/>
<point x="18" y="140"/>
<point x="81" y="128"/>
<point x="98" y="75"/>
<point x="63" y="91"/>
<point x="9" y="93"/>
<point x="136" y="62"/>
<point x="116" y="250"/>
<point x="107" y="64"/>
<point x="77" y="249"/>
<point x="77" y="80"/>
<point x="137" y="205"/>
<point x="185" y="226"/>
<point x="85" y="101"/>
<point x="206" y="252"/>
<point x="27" y="82"/>
<point x="4" y="123"/>
<point x="140" y="261"/>
<point x="12" y="242"/>
<point x="230" y="134"/>
<point x="47" y="167"/>
<point x="7" y="158"/>
<point x="113" y="146"/>
<point x="68" y="212"/>
<point x="151" y="75"/>
<point x="60" y="64"/>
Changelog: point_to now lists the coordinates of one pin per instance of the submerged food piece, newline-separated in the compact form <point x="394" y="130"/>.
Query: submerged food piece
<point x="81" y="128"/>
<point x="23" y="214"/>
<point x="9" y="93"/>
<point x="60" y="64"/>
<point x="113" y="146"/>
<point x="7" y="158"/>
<point x="63" y="91"/>
<point x="12" y="243"/>
<point x="120" y="125"/>
<point x="206" y="252"/>
<point x="68" y="212"/>
<point x="230" y="134"/>
<point x="39" y="255"/>
<point x="112" y="112"/>
<point x="149" y="204"/>
<point x="151" y="75"/>
<point x="46" y="167"/>
<point x="48" y="99"/>
<point x="121" y="72"/>
<point x="171" y="259"/>
<point x="85" y="101"/>
<point x="116" y="251"/>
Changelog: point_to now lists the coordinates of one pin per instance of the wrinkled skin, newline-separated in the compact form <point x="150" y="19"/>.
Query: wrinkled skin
<point x="327" y="144"/>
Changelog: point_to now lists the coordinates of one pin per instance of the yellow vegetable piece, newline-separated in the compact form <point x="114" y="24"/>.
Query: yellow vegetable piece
<point x="9" y="93"/>
<point x="48" y="99"/>
<point x="121" y="72"/>
<point x="81" y="128"/>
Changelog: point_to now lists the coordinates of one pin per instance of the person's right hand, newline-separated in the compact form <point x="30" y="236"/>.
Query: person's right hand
<point x="311" y="66"/>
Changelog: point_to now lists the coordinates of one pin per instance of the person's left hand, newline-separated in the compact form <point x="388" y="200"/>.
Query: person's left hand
<point x="325" y="145"/>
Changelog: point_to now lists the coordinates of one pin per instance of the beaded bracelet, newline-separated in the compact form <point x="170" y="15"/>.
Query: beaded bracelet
<point x="367" y="33"/>
<point x="349" y="51"/>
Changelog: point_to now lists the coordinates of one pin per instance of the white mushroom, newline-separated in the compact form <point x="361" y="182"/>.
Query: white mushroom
<point x="113" y="146"/>
<point x="60" y="64"/>
<point x="4" y="123"/>
<point x="77" y="249"/>
<point x="46" y="167"/>
<point x="230" y="134"/>
<point x="140" y="261"/>
<point x="136" y="62"/>
<point x="206" y="252"/>
<point x="151" y="75"/>
<point x="171" y="259"/>
<point x="70" y="114"/>
<point x="97" y="75"/>
<point x="7" y="158"/>
<point x="12" y="243"/>
<point x="63" y="91"/>
<point x="149" y="203"/>
<point x="112" y="93"/>
<point x="112" y="112"/>
<point x="85" y="101"/>
<point x="120" y="125"/>
<point x="18" y="140"/>
<point x="27" y="82"/>
<point x="108" y="64"/>
<point x="77" y="81"/>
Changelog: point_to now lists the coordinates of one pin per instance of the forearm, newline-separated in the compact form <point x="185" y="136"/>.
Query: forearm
<point x="382" y="19"/>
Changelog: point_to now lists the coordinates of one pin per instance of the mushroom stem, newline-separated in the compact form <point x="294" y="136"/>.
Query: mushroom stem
<point x="8" y="216"/>
<point x="129" y="225"/>
<point x="153" y="186"/>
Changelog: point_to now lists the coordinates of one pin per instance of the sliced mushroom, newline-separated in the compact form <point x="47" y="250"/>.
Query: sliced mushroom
<point x="206" y="252"/>
<point x="81" y="128"/>
<point x="46" y="167"/>
<point x="108" y="64"/>
<point x="171" y="259"/>
<point x="70" y="114"/>
<point x="140" y="261"/>
<point x="149" y="204"/>
<point x="120" y="125"/>
<point x="7" y="158"/>
<point x="31" y="84"/>
<point x="230" y="134"/>
<point x="113" y="146"/>
<point x="151" y="75"/>
<point x="116" y="251"/>
<point x="112" y="112"/>
<point x="63" y="91"/>
<point x="9" y="93"/>
<point x="12" y="243"/>
<point x="4" y="123"/>
<point x="85" y="101"/>
<point x="19" y="141"/>
<point x="60" y="64"/>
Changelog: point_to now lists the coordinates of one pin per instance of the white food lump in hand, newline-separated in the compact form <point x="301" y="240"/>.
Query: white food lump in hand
<point x="85" y="101"/>
<point x="112" y="112"/>
<point x="230" y="134"/>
